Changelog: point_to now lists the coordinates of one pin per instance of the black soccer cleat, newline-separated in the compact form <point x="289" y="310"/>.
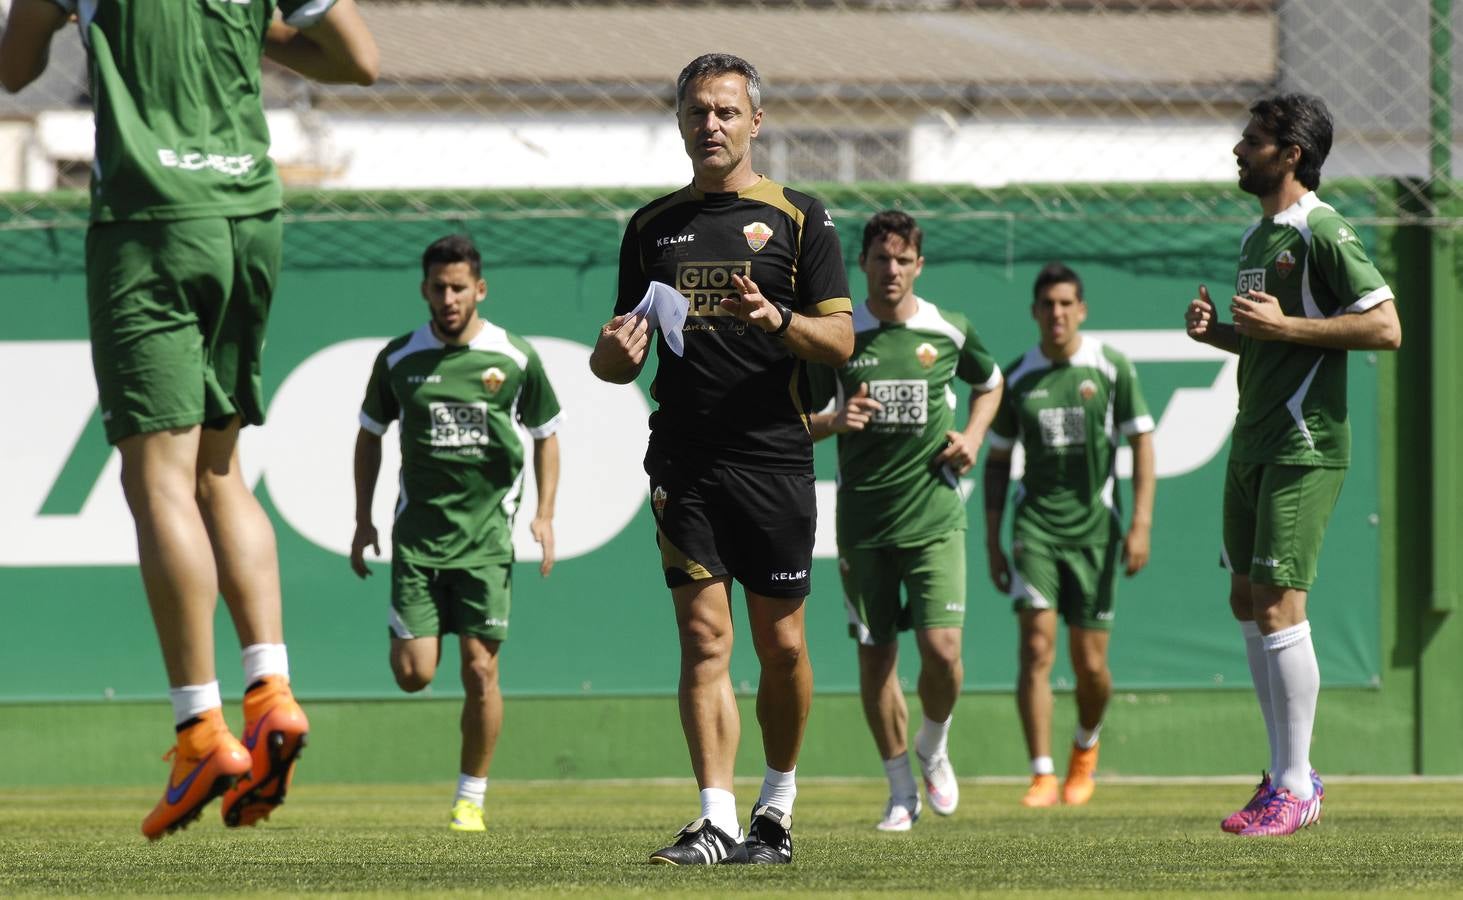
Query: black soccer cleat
<point x="769" y="840"/>
<point x="698" y="844"/>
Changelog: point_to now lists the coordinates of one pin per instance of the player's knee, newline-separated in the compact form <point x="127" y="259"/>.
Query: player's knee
<point x="480" y="677"/>
<point x="1036" y="653"/>
<point x="703" y="640"/>
<point x="411" y="678"/>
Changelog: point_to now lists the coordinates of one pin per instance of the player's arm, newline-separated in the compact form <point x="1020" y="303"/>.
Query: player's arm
<point x="367" y="468"/>
<point x="1257" y="315"/>
<point x="336" y="49"/>
<point x="962" y="447"/>
<point x="25" y="44"/>
<point x="546" y="478"/>
<point x="1203" y="325"/>
<point x="996" y="483"/>
<point x="1138" y="540"/>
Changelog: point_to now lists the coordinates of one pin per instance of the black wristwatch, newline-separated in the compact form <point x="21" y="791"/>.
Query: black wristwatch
<point x="786" y="313"/>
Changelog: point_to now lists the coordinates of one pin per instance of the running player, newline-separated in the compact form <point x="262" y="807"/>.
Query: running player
<point x="1305" y="294"/>
<point x="182" y="258"/>
<point x="1067" y="402"/>
<point x="460" y="387"/>
<point x="730" y="458"/>
<point x="901" y="504"/>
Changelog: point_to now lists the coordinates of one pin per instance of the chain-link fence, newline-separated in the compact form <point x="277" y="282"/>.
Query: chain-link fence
<point x="1123" y="110"/>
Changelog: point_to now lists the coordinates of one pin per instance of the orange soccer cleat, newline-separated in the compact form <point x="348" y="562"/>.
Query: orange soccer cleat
<point x="1042" y="792"/>
<point x="275" y="729"/>
<point x="1079" y="787"/>
<point x="207" y="760"/>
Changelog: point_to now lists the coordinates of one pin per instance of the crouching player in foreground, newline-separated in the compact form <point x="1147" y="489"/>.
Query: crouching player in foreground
<point x="901" y="509"/>
<point x="1305" y="294"/>
<point x="1067" y="402"/>
<point x="182" y="258"/>
<point x="459" y="386"/>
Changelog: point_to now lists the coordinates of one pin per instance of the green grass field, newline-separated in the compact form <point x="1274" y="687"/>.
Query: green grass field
<point x="592" y="839"/>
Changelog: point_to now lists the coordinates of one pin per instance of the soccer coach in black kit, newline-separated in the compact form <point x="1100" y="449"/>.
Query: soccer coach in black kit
<point x="730" y="458"/>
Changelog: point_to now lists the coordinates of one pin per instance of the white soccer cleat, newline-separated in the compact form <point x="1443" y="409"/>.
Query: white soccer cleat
<point x="941" y="787"/>
<point x="901" y="814"/>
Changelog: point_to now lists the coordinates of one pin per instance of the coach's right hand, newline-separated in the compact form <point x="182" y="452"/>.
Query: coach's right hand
<point x="620" y="351"/>
<point x="365" y="537"/>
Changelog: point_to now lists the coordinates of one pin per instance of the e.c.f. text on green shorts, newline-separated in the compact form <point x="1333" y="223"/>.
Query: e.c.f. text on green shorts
<point x="1275" y="520"/>
<point x="1079" y="581"/>
<point x="427" y="601"/>
<point x="177" y="311"/>
<point x="933" y="578"/>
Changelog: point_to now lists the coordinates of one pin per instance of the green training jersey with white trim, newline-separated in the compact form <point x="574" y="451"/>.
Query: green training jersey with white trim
<point x="175" y="87"/>
<point x="889" y="492"/>
<point x="461" y="455"/>
<point x="1068" y="416"/>
<point x="1292" y="397"/>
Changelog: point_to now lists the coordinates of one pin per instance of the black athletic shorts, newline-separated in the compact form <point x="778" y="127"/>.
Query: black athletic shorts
<point x="714" y="521"/>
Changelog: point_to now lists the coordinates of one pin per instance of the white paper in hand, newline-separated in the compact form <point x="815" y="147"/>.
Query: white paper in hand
<point x="665" y="308"/>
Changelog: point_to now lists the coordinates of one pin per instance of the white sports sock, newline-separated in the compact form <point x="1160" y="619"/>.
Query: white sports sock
<point x="265" y="659"/>
<point x="901" y="779"/>
<point x="1260" y="675"/>
<point x="1295" y="683"/>
<point x="930" y="742"/>
<point x="1085" y="738"/>
<point x="779" y="789"/>
<point x="193" y="700"/>
<point x="721" y="808"/>
<point x="1042" y="765"/>
<point x="471" y="788"/>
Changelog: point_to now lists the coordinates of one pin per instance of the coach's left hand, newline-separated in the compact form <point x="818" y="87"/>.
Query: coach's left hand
<point x="750" y="306"/>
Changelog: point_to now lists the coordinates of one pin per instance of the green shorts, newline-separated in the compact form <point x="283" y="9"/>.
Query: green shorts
<point x="177" y="312"/>
<point x="1275" y="519"/>
<point x="933" y="576"/>
<point x="1079" y="581"/>
<point x="430" y="602"/>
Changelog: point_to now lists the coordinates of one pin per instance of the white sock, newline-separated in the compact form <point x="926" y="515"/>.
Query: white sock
<point x="1086" y="738"/>
<point x="265" y="659"/>
<point x="1260" y="675"/>
<point x="901" y="780"/>
<point x="471" y="788"/>
<point x="1042" y="765"/>
<point x="1295" y="683"/>
<point x="930" y="742"/>
<point x="721" y="808"/>
<point x="779" y="789"/>
<point x="193" y="700"/>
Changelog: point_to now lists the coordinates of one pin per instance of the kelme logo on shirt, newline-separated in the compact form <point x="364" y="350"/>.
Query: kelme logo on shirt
<point x="1285" y="263"/>
<point x="758" y="234"/>
<point x="459" y="424"/>
<point x="926" y="354"/>
<point x="493" y="379"/>
<point x="1249" y="280"/>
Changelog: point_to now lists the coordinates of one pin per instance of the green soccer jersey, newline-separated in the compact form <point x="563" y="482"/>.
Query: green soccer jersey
<point x="180" y="129"/>
<point x="889" y="493"/>
<point x="461" y="456"/>
<point x="1068" y="416"/>
<point x="1292" y="398"/>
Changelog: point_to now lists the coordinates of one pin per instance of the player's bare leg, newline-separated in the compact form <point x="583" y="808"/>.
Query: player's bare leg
<point x="888" y="716"/>
<point x="784" y="696"/>
<point x="941" y="671"/>
<point x="181" y="584"/>
<point x="482" y="721"/>
<point x="414" y="662"/>
<point x="1094" y="689"/>
<point x="1036" y="652"/>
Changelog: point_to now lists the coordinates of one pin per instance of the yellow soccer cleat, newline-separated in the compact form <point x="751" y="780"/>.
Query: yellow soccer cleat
<point x="467" y="816"/>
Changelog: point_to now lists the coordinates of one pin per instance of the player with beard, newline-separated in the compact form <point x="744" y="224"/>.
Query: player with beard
<point x="730" y="458"/>
<point x="459" y="387"/>
<point x="1305" y="294"/>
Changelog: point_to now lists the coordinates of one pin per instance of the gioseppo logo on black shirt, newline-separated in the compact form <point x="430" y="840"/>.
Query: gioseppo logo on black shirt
<point x="705" y="283"/>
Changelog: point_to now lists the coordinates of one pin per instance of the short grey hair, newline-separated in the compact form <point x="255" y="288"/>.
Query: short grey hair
<point x="712" y="64"/>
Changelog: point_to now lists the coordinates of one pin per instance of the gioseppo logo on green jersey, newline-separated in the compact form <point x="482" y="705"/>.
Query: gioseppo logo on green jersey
<point x="459" y="424"/>
<point x="904" y="402"/>
<point x="1249" y="280"/>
